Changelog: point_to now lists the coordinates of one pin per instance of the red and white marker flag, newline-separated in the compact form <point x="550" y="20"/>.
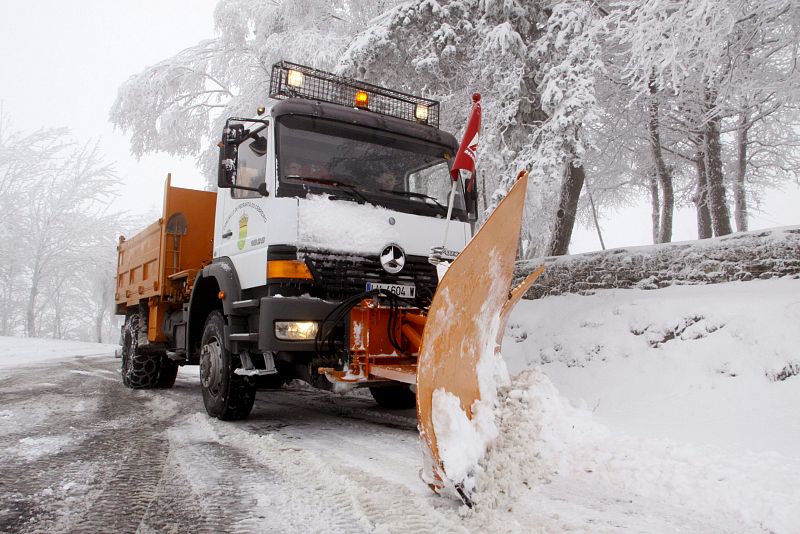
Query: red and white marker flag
<point x="464" y="160"/>
<point x="468" y="149"/>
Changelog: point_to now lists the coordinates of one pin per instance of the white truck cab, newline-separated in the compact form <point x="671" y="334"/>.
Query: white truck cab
<point x="335" y="180"/>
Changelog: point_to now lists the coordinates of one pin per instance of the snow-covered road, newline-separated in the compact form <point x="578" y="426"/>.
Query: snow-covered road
<point x="81" y="453"/>
<point x="628" y="411"/>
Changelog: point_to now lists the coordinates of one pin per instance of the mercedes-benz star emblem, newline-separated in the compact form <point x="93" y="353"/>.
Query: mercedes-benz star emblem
<point x="393" y="259"/>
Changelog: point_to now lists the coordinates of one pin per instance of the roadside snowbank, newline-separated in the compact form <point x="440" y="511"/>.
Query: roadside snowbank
<point x="691" y="402"/>
<point x="700" y="364"/>
<point x="545" y="440"/>
<point x="23" y="351"/>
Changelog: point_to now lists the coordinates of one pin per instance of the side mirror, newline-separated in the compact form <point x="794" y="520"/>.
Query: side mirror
<point x="232" y="136"/>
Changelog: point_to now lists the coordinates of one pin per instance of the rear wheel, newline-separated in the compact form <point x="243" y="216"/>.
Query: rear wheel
<point x="139" y="371"/>
<point x="167" y="373"/>
<point x="226" y="395"/>
<point x="275" y="381"/>
<point x="394" y="397"/>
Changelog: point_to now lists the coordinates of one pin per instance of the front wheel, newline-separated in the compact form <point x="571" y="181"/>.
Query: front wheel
<point x="394" y="397"/>
<point x="226" y="395"/>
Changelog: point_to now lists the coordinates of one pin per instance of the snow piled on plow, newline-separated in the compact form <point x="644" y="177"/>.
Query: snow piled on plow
<point x="462" y="441"/>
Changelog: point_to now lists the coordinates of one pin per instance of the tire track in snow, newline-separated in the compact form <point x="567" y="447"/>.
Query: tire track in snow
<point x="133" y="463"/>
<point x="236" y="492"/>
<point x="104" y="478"/>
<point x="354" y="498"/>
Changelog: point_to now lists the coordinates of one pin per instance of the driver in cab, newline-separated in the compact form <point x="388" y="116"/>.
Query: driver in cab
<point x="389" y="181"/>
<point x="296" y="169"/>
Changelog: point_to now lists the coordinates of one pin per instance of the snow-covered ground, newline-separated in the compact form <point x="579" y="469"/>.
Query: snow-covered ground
<point x="699" y="364"/>
<point x="669" y="410"/>
<point x="684" y="395"/>
<point x="22" y="351"/>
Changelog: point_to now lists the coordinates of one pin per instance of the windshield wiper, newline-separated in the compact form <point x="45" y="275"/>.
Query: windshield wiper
<point x="412" y="194"/>
<point x="350" y="188"/>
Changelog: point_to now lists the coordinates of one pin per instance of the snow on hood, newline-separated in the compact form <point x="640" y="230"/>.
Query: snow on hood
<point x="345" y="226"/>
<point x="366" y="229"/>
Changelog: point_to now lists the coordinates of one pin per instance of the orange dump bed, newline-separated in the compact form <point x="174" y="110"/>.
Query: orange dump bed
<point x="160" y="262"/>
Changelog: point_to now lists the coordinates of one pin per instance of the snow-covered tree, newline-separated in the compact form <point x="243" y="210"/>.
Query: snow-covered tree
<point x="712" y="60"/>
<point x="54" y="194"/>
<point x="179" y="105"/>
<point x="23" y="158"/>
<point x="534" y="65"/>
<point x="569" y="54"/>
<point x="66" y="218"/>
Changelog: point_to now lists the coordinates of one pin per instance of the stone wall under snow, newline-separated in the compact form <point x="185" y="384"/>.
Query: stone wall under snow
<point x="741" y="256"/>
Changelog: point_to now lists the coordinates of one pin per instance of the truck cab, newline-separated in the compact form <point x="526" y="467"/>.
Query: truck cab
<point x="336" y="189"/>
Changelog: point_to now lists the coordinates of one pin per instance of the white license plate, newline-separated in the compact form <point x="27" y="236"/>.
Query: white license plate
<point x="407" y="292"/>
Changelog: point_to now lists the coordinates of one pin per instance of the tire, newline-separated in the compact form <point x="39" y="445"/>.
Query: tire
<point x="275" y="381"/>
<point x="167" y="373"/>
<point x="139" y="371"/>
<point x="226" y="395"/>
<point x="394" y="397"/>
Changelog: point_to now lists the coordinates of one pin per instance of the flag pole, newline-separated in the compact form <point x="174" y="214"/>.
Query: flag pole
<point x="449" y="211"/>
<point x="464" y="160"/>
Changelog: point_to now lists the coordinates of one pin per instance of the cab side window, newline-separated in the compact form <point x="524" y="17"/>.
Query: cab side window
<point x="251" y="170"/>
<point x="434" y="181"/>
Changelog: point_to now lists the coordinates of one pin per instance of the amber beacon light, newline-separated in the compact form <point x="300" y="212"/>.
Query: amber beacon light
<point x="362" y="99"/>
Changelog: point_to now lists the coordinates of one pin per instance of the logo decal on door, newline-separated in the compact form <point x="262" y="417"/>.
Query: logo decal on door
<point x="242" y="231"/>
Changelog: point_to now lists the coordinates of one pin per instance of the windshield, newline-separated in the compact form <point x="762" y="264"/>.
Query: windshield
<point x="362" y="164"/>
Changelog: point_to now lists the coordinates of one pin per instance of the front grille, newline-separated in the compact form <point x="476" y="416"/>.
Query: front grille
<point x="340" y="276"/>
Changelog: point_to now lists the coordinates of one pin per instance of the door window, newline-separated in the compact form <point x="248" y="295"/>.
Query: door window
<point x="252" y="166"/>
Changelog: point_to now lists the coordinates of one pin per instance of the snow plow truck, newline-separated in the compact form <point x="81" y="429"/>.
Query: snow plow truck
<point x="312" y="260"/>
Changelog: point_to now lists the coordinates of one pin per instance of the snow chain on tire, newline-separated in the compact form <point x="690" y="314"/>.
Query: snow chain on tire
<point x="143" y="371"/>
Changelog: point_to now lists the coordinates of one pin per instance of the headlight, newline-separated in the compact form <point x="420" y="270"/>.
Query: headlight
<point x="295" y="78"/>
<point x="296" y="330"/>
<point x="421" y="113"/>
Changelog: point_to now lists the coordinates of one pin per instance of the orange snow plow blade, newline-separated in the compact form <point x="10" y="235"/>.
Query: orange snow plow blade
<point x="466" y="318"/>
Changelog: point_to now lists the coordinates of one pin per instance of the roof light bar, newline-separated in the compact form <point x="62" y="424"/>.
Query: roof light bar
<point x="290" y="80"/>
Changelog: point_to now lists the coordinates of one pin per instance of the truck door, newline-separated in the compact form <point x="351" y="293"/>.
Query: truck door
<point x="242" y="234"/>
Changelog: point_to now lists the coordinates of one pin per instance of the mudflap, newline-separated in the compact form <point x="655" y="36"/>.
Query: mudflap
<point x="465" y="321"/>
